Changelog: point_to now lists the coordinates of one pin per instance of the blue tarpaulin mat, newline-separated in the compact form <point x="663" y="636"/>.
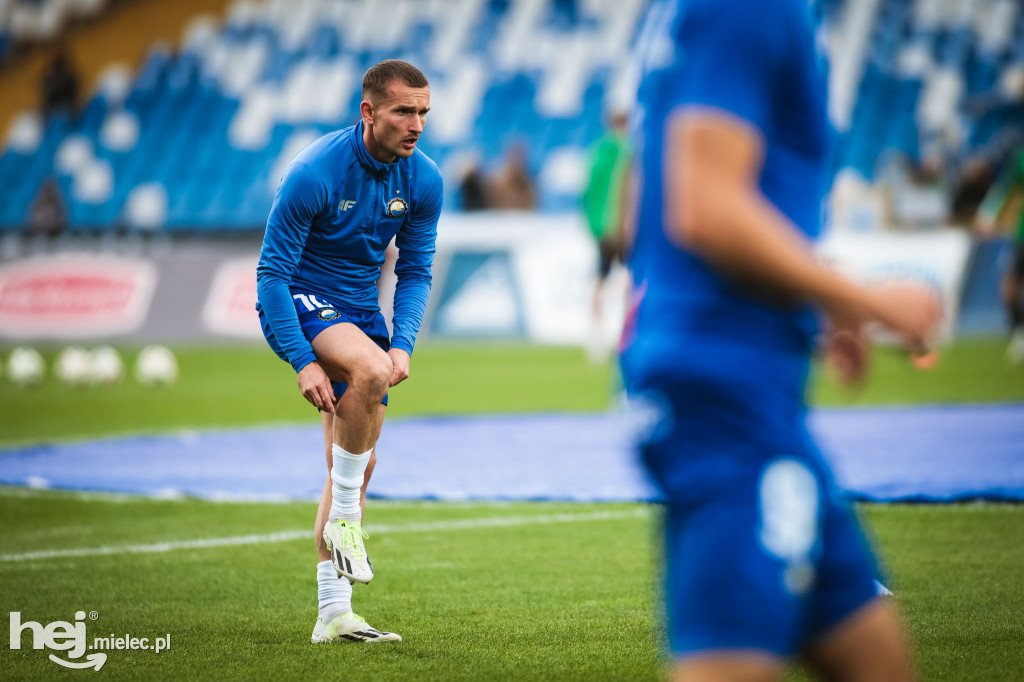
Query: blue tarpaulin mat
<point x="920" y="453"/>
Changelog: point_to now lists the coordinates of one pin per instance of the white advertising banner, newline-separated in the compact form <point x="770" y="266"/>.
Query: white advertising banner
<point x="936" y="257"/>
<point x="546" y="288"/>
<point x="547" y="297"/>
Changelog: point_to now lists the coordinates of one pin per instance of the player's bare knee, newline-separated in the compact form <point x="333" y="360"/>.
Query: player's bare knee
<point x="381" y="377"/>
<point x="373" y="377"/>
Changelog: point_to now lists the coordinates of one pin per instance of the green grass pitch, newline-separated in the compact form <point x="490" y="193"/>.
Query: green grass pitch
<point x="479" y="591"/>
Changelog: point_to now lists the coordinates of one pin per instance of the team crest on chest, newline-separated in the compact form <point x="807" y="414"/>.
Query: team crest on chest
<point x="396" y="207"/>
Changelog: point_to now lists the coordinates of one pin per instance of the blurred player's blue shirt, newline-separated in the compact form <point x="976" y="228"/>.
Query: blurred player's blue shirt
<point x="754" y="60"/>
<point x="336" y="210"/>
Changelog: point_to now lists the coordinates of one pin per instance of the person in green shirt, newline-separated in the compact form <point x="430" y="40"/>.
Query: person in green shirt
<point x="604" y="211"/>
<point x="1002" y="205"/>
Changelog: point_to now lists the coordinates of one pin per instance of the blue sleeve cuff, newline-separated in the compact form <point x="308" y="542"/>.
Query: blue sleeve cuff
<point x="301" y="361"/>
<point x="402" y="344"/>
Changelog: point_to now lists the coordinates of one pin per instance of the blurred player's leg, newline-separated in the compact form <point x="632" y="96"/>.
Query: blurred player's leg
<point x="598" y="346"/>
<point x="733" y="666"/>
<point x="867" y="646"/>
<point x="1012" y="291"/>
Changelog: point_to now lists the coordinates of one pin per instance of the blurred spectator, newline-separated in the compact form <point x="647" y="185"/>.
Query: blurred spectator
<point x="473" y="189"/>
<point x="512" y="186"/>
<point x="921" y="195"/>
<point x="602" y="206"/>
<point x="47" y="216"/>
<point x="973" y="183"/>
<point x="59" y="86"/>
<point x="1004" y="205"/>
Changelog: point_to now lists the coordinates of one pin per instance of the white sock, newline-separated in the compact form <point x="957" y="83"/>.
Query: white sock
<point x="334" y="593"/>
<point x="347" y="475"/>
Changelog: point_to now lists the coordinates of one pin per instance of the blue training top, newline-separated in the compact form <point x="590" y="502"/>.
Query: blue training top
<point x="754" y="60"/>
<point x="336" y="210"/>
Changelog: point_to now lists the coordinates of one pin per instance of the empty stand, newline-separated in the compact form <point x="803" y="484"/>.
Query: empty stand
<point x="197" y="137"/>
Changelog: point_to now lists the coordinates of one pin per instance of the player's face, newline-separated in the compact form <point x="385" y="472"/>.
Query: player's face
<point x="396" y="121"/>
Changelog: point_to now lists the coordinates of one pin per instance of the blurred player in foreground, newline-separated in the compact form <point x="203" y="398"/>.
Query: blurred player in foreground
<point x="603" y="210"/>
<point x="340" y="202"/>
<point x="1005" y="192"/>
<point x="764" y="560"/>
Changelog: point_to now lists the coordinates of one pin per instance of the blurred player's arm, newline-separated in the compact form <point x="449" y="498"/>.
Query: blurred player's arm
<point x="714" y="207"/>
<point x="301" y="197"/>
<point x="416" y="246"/>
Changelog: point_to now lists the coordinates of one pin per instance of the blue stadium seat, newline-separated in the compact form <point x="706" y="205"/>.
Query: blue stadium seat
<point x="189" y="104"/>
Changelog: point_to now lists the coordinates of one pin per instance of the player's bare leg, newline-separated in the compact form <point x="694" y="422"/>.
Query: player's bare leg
<point x="868" y="645"/>
<point x="1011" y="291"/>
<point x="337" y="622"/>
<point x="595" y="344"/>
<point x="347" y="354"/>
<point x="728" y="666"/>
<point x="324" y="508"/>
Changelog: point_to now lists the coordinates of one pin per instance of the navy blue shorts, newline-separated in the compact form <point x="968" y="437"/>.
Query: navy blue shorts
<point x="761" y="550"/>
<point x="316" y="314"/>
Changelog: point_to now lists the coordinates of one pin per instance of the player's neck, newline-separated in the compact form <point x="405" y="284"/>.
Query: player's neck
<point x="375" y="150"/>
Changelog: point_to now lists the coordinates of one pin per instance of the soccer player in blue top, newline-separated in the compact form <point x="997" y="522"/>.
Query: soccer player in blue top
<point x="764" y="559"/>
<point x="341" y="201"/>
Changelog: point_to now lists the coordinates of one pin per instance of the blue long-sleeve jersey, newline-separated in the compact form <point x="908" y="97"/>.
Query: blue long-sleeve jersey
<point x="336" y="210"/>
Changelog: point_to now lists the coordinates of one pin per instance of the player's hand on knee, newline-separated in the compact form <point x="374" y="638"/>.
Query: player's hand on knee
<point x="400" y="365"/>
<point x="315" y="386"/>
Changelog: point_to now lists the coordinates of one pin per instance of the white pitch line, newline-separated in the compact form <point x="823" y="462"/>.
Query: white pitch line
<point x="287" y="536"/>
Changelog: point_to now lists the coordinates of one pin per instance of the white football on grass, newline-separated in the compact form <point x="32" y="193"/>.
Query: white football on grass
<point x="105" y="366"/>
<point x="25" y="367"/>
<point x="156" y="366"/>
<point x="72" y="366"/>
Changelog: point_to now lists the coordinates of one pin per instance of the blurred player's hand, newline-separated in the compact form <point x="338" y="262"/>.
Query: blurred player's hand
<point x="400" y="361"/>
<point x="913" y="311"/>
<point x="316" y="387"/>
<point x="848" y="352"/>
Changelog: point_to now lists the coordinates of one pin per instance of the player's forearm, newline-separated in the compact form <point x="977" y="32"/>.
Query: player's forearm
<point x="411" y="293"/>
<point x="739" y="231"/>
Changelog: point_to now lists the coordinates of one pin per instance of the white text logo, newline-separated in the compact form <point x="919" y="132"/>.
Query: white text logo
<point x="70" y="637"/>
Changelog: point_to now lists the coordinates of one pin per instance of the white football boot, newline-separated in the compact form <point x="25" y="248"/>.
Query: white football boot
<point x="349" y="627"/>
<point x="348" y="554"/>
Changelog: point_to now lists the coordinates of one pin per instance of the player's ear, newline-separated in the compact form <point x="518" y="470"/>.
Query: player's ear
<point x="366" y="111"/>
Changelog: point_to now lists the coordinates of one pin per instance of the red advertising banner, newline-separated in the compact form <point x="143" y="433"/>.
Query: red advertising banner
<point x="74" y="296"/>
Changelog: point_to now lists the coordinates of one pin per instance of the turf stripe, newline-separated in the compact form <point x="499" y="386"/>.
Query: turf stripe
<point x="287" y="536"/>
